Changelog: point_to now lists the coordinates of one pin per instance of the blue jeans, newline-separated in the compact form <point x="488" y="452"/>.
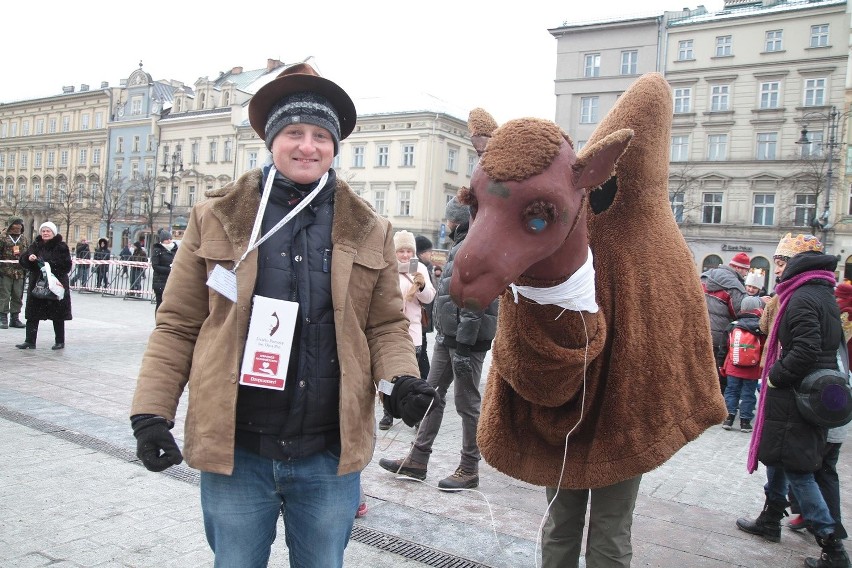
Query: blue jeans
<point x="241" y="510"/>
<point x="807" y="493"/>
<point x="741" y="389"/>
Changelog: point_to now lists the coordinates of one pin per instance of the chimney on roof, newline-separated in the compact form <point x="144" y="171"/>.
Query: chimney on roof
<point x="68" y="89"/>
<point x="104" y="84"/>
<point x="272" y="64"/>
<point x="84" y="87"/>
<point x="236" y="70"/>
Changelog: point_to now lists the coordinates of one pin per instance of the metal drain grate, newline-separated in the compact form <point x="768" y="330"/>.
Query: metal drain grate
<point x="410" y="550"/>
<point x="360" y="533"/>
<point x="180" y="472"/>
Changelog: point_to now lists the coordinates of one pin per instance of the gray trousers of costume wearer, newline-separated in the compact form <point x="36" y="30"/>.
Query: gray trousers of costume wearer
<point x="11" y="295"/>
<point x="610" y="520"/>
<point x="467" y="399"/>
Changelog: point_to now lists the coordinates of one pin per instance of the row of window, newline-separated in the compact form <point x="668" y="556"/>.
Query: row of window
<point x="773" y="41"/>
<point x="763" y="208"/>
<point x="49" y="192"/>
<point x="629" y="63"/>
<point x="51" y="125"/>
<point x="768" y="97"/>
<point x="766" y="147"/>
<point x="48" y="158"/>
<point x="379" y="199"/>
<point x="195" y="151"/>
<point x="724" y="47"/>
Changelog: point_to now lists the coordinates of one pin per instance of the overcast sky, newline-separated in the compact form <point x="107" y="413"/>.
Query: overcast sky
<point x="466" y="52"/>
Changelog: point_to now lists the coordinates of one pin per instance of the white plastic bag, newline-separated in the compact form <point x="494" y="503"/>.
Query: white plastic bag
<point x="53" y="282"/>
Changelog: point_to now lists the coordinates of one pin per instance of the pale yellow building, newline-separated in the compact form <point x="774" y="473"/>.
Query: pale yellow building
<point x="53" y="157"/>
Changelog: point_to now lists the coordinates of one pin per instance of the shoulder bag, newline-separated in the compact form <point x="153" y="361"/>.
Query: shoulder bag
<point x="824" y="397"/>
<point x="41" y="290"/>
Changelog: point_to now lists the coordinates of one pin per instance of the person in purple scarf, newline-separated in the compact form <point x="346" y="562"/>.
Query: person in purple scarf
<point x="804" y="337"/>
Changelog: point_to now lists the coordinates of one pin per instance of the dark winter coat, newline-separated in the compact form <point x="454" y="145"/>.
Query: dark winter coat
<point x="82" y="250"/>
<point x="809" y="332"/>
<point x="460" y="328"/>
<point x="161" y="264"/>
<point x="54" y="252"/>
<point x="102" y="253"/>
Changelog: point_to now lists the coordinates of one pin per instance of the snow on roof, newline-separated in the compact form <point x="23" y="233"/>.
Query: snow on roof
<point x="393" y="103"/>
<point x="734" y="11"/>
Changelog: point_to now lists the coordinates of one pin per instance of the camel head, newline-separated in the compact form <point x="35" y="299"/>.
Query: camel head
<point x="526" y="199"/>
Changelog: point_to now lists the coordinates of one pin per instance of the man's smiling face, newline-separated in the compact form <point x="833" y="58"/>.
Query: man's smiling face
<point x="303" y="152"/>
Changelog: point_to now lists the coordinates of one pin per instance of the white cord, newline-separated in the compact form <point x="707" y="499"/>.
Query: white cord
<point x="571" y="306"/>
<point x="565" y="452"/>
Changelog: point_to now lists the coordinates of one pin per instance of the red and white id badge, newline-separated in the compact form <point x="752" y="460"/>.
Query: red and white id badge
<point x="270" y="338"/>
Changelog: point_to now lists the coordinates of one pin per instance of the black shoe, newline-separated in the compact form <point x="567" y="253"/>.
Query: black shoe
<point x="25" y="345"/>
<point x="386" y="422"/>
<point x="405" y="467"/>
<point x="460" y="479"/>
<point x="770" y="532"/>
<point x="4" y="321"/>
<point x="58" y="346"/>
<point x="745" y="425"/>
<point x="15" y="321"/>
<point x="729" y="422"/>
<point x="833" y="554"/>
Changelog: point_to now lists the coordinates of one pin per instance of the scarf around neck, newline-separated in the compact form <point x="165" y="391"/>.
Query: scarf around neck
<point x="785" y="291"/>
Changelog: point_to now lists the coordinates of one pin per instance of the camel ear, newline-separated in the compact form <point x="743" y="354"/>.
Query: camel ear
<point x="597" y="162"/>
<point x="481" y="126"/>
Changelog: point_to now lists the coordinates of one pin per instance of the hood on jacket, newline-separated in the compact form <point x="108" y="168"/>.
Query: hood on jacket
<point x="722" y="278"/>
<point x="806" y="261"/>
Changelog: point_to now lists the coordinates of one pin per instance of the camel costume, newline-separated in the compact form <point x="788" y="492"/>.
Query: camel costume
<point x="650" y="385"/>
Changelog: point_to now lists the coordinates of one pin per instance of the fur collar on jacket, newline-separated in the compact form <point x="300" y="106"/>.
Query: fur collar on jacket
<point x="237" y="204"/>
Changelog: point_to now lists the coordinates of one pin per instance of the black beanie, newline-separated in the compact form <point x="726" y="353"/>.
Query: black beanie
<point x="423" y="243"/>
<point x="305" y="107"/>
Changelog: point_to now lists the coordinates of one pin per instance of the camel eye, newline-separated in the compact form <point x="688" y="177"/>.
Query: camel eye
<point x="536" y="224"/>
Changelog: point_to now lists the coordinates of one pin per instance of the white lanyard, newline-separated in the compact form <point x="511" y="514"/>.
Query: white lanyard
<point x="258" y="220"/>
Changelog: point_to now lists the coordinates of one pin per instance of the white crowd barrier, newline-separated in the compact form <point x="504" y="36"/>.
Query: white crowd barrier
<point x="127" y="279"/>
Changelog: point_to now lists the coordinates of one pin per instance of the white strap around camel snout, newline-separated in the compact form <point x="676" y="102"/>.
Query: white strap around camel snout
<point x="576" y="294"/>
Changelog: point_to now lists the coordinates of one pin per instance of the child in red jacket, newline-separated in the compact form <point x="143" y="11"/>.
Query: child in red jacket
<point x="742" y="363"/>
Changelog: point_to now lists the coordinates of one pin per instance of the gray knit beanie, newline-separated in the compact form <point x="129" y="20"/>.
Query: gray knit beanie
<point x="751" y="303"/>
<point x="305" y="107"/>
<point x="456" y="212"/>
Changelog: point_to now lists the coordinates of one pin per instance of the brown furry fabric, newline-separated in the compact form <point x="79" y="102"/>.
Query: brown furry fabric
<point x="521" y="148"/>
<point x="481" y="123"/>
<point x="651" y="384"/>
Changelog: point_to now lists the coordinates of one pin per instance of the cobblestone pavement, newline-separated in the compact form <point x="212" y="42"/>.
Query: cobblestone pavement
<point x="72" y="493"/>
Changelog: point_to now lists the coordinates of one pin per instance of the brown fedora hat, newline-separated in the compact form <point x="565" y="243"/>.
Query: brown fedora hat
<point x="299" y="78"/>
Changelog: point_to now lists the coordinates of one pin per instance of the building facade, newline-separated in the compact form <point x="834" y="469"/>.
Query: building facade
<point x="133" y="159"/>
<point x="53" y="160"/>
<point x="746" y="81"/>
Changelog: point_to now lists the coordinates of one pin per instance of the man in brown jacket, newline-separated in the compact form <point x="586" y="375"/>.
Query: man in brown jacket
<point x="12" y="244"/>
<point x="290" y="434"/>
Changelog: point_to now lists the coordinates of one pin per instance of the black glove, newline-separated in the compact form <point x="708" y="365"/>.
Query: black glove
<point x="409" y="400"/>
<point x="152" y="437"/>
<point x="462" y="368"/>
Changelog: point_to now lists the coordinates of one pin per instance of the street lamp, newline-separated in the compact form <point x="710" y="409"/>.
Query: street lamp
<point x="833" y="117"/>
<point x="176" y="166"/>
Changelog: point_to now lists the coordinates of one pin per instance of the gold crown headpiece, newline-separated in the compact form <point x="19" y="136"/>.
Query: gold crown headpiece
<point x="791" y="246"/>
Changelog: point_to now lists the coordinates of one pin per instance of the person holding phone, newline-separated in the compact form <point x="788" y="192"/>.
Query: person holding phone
<point x="462" y="338"/>
<point x="416" y="287"/>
